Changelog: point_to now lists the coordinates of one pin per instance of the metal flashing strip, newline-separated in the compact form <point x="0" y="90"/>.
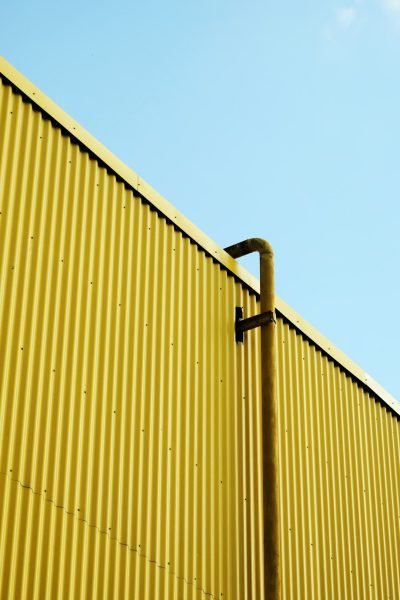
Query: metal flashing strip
<point x="337" y="355"/>
<point x="132" y="180"/>
<point x="123" y="172"/>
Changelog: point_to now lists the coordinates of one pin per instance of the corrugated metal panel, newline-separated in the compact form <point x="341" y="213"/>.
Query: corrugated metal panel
<point x="339" y="479"/>
<point x="130" y="442"/>
<point x="70" y="127"/>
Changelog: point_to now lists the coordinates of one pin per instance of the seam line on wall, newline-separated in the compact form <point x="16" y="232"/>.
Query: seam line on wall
<point x="26" y="486"/>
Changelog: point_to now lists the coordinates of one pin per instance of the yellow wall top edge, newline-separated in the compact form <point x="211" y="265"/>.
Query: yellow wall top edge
<point x="338" y="356"/>
<point x="181" y="222"/>
<point x="126" y="173"/>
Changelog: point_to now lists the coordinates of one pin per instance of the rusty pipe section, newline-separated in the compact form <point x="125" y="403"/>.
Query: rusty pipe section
<point x="272" y="571"/>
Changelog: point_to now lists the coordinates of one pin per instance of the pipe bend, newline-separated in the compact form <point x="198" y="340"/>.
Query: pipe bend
<point x="248" y="246"/>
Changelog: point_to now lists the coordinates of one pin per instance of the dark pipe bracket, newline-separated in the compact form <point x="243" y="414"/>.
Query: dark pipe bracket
<point x="242" y="325"/>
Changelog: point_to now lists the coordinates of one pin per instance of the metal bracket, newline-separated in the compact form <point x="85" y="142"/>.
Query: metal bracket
<point x="242" y="325"/>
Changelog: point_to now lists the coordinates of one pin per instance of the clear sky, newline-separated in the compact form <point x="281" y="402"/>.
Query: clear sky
<point x="271" y="119"/>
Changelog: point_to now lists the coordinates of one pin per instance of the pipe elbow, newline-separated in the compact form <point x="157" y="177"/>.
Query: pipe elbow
<point x="248" y="246"/>
<point x="263" y="247"/>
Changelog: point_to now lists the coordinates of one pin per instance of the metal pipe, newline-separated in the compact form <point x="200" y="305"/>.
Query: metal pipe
<point x="272" y="571"/>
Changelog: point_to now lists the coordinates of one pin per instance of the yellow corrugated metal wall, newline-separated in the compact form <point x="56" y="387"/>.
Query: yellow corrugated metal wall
<point x="130" y="463"/>
<point x="339" y="479"/>
<point x="130" y="441"/>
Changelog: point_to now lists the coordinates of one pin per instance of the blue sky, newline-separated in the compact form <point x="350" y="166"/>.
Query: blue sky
<point x="278" y="120"/>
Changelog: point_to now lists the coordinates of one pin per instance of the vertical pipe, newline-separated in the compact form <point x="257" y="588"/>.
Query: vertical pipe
<point x="272" y="572"/>
<point x="269" y="431"/>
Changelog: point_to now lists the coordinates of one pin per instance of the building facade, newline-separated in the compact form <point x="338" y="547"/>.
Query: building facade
<point x="130" y="419"/>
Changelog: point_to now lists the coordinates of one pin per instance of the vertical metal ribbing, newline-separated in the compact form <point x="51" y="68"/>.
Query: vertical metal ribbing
<point x="119" y="403"/>
<point x="109" y="320"/>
